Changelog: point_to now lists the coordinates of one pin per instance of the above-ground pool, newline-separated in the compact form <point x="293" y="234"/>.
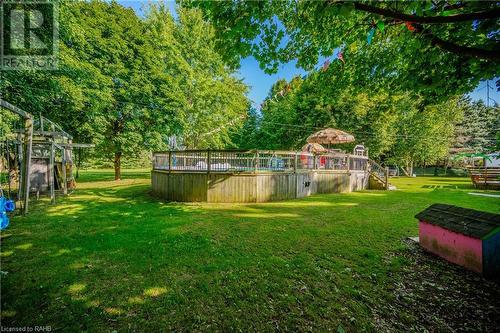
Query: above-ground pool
<point x="254" y="176"/>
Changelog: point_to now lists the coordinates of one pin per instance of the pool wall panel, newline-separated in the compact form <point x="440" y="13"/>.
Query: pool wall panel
<point x="252" y="187"/>
<point x="275" y="187"/>
<point x="231" y="188"/>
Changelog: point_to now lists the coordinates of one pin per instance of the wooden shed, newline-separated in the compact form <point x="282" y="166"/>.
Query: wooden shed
<point x="466" y="237"/>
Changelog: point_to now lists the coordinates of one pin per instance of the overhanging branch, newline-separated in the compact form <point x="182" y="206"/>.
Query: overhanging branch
<point x="483" y="15"/>
<point x="493" y="55"/>
<point x="464" y="50"/>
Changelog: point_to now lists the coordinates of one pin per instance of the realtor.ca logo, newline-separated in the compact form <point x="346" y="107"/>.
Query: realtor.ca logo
<point x="29" y="35"/>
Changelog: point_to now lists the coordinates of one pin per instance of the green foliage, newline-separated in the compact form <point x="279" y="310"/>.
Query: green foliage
<point x="212" y="101"/>
<point x="480" y="127"/>
<point x="437" y="60"/>
<point x="248" y="137"/>
<point x="398" y="127"/>
<point x="7" y="122"/>
<point x="127" y="84"/>
<point x="423" y="136"/>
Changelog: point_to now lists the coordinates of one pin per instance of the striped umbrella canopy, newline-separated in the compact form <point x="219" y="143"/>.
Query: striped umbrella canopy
<point x="314" y="148"/>
<point x="329" y="136"/>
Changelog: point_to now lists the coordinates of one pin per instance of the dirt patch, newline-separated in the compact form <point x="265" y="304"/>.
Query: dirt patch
<point x="429" y="294"/>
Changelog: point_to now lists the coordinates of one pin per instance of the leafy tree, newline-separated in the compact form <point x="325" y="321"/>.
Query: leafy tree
<point x="248" y="136"/>
<point x="423" y="136"/>
<point x="279" y="125"/>
<point x="137" y="104"/>
<point x="479" y="126"/>
<point x="398" y="127"/>
<point x="434" y="47"/>
<point x="126" y="84"/>
<point x="7" y="121"/>
<point x="106" y="83"/>
<point x="213" y="101"/>
<point x="324" y="99"/>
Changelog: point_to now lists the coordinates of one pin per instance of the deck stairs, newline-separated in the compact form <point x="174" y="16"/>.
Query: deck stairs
<point x="379" y="177"/>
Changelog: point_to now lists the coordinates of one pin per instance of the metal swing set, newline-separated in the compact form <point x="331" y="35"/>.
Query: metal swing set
<point x="38" y="158"/>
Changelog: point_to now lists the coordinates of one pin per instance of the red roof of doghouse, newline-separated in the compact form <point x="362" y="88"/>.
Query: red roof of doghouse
<point x="465" y="221"/>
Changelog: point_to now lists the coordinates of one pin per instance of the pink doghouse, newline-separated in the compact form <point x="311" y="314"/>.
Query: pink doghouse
<point x="466" y="237"/>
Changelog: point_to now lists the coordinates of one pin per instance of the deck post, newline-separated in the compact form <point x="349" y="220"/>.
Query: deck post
<point x="314" y="161"/>
<point x="256" y="161"/>
<point x="348" y="163"/>
<point x="295" y="163"/>
<point x="208" y="161"/>
<point x="169" y="161"/>
<point x="71" y="164"/>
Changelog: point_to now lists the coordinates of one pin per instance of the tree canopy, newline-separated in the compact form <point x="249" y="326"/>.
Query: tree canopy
<point x="394" y="75"/>
<point x="127" y="84"/>
<point x="399" y="127"/>
<point x="479" y="128"/>
<point x="431" y="46"/>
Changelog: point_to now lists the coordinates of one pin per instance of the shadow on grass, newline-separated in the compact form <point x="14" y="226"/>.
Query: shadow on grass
<point x="116" y="258"/>
<point x="450" y="180"/>
<point x="86" y="176"/>
<point x="451" y="186"/>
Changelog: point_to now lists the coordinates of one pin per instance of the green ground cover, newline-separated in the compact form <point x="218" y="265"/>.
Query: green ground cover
<point x="110" y="257"/>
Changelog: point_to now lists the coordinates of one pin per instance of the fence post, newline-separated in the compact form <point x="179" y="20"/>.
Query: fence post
<point x="295" y="161"/>
<point x="348" y="163"/>
<point x="314" y="161"/>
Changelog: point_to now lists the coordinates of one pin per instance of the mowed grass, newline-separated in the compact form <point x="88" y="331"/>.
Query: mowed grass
<point x="110" y="257"/>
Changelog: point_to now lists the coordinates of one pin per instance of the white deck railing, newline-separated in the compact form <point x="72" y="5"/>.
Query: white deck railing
<point x="255" y="160"/>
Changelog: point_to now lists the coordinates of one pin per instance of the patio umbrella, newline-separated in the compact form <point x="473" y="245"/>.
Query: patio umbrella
<point x="330" y="136"/>
<point x="314" y="148"/>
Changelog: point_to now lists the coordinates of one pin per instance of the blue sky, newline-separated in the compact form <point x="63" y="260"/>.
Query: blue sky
<point x="260" y="82"/>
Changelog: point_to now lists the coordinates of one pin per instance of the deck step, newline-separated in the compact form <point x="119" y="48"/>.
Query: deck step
<point x="381" y="182"/>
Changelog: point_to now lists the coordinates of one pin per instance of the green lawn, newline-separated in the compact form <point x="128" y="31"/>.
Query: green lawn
<point x="112" y="258"/>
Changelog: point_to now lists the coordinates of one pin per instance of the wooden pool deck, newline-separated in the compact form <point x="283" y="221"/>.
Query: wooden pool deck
<point x="254" y="176"/>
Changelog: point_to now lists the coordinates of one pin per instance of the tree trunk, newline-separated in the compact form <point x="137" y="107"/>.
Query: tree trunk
<point x="117" y="162"/>
<point x="408" y="169"/>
